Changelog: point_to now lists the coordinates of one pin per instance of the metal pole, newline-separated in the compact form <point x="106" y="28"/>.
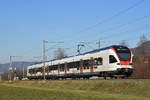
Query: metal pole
<point x="78" y="50"/>
<point x="0" y="78"/>
<point x="23" y="68"/>
<point x="44" y="59"/>
<point x="79" y="47"/>
<point x="44" y="55"/>
<point x="98" y="44"/>
<point x="15" y="74"/>
<point x="143" y="52"/>
<point x="10" y="68"/>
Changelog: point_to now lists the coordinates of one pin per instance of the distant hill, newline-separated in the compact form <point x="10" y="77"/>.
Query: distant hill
<point x="18" y="65"/>
<point x="142" y="50"/>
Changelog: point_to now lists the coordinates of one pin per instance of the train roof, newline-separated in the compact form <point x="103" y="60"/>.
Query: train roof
<point x="90" y="52"/>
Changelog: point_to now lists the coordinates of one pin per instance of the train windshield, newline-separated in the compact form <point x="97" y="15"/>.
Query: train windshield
<point x="123" y="53"/>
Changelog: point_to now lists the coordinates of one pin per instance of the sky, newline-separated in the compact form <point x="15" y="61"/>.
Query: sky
<point x="24" y="24"/>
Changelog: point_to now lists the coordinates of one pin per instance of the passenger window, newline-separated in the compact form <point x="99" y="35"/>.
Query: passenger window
<point x="98" y="61"/>
<point x="112" y="59"/>
<point x="86" y="64"/>
<point x="62" y="67"/>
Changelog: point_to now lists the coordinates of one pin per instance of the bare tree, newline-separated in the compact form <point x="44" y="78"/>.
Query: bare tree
<point x="60" y="53"/>
<point x="141" y="44"/>
<point x="124" y="43"/>
<point x="142" y="39"/>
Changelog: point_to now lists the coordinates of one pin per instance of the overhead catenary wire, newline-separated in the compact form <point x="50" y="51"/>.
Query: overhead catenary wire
<point x="129" y="39"/>
<point x="116" y="15"/>
<point x="113" y="16"/>
<point x="103" y="39"/>
<point x="126" y="32"/>
<point x="125" y="24"/>
<point x="146" y="26"/>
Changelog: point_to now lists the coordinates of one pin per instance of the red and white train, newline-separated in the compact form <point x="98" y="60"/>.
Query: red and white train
<point x="111" y="61"/>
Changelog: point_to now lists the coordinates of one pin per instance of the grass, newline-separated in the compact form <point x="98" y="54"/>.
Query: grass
<point x="74" y="90"/>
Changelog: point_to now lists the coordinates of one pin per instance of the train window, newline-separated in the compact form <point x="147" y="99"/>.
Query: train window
<point x="70" y="65"/>
<point x="68" y="68"/>
<point x="85" y="63"/>
<point x="50" y="68"/>
<point x="47" y="69"/>
<point x="76" y="65"/>
<point x="98" y="61"/>
<point x="30" y="71"/>
<point x="33" y="71"/>
<point x="62" y="67"/>
<point x="38" y="70"/>
<point x="54" y="67"/>
<point x="77" y="68"/>
<point x="112" y="59"/>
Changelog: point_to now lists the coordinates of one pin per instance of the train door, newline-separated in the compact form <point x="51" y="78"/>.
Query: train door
<point x="58" y="69"/>
<point x="65" y="69"/>
<point x="81" y="66"/>
<point x="91" y="63"/>
<point x="105" y="63"/>
<point x="97" y="64"/>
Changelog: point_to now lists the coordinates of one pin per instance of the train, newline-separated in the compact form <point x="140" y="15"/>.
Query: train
<point x="113" y="61"/>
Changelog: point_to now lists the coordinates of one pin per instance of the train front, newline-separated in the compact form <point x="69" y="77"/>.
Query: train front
<point x="124" y="65"/>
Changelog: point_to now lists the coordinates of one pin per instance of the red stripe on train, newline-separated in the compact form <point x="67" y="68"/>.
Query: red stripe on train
<point x="91" y="66"/>
<point x="125" y="62"/>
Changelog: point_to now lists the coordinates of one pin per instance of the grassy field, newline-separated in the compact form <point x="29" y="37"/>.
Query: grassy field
<point x="74" y="90"/>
